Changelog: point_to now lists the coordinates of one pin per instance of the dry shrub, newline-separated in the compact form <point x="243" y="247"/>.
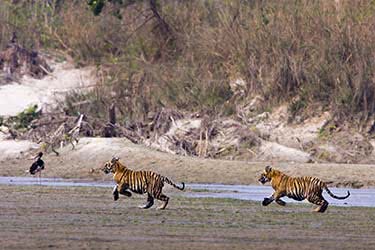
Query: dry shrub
<point x="16" y="61"/>
<point x="316" y="50"/>
<point x="321" y="52"/>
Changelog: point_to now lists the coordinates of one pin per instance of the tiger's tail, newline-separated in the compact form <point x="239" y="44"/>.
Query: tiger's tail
<point x="334" y="196"/>
<point x="173" y="184"/>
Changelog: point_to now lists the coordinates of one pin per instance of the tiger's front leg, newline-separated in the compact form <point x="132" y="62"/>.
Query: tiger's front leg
<point x="280" y="202"/>
<point x="267" y="201"/>
<point x="123" y="189"/>
<point x="115" y="193"/>
<point x="275" y="197"/>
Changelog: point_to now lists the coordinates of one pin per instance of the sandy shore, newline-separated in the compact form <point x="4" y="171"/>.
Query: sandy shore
<point x="91" y="153"/>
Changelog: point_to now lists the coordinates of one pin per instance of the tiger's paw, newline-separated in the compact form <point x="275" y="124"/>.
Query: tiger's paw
<point x="281" y="202"/>
<point x="266" y="201"/>
<point x="115" y="196"/>
<point x="147" y="206"/>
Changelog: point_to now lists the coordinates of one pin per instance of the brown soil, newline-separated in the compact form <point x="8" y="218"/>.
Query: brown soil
<point x="91" y="153"/>
<point x="40" y="217"/>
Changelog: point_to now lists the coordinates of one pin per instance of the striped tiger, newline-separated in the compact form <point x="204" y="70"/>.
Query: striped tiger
<point x="297" y="188"/>
<point x="139" y="182"/>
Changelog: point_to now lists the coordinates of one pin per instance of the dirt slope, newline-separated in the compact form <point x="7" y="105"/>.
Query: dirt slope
<point x="15" y="97"/>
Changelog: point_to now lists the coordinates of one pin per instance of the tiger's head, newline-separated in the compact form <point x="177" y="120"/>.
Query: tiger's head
<point x="266" y="176"/>
<point x="109" y="166"/>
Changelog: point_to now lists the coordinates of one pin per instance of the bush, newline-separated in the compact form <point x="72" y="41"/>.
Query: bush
<point x="321" y="50"/>
<point x="24" y="118"/>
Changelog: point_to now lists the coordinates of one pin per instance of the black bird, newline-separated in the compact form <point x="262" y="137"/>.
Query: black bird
<point x="37" y="165"/>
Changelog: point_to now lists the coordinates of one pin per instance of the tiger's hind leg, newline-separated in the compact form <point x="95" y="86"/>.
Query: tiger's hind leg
<point x="150" y="202"/>
<point x="323" y="207"/>
<point x="165" y="200"/>
<point x="320" y="201"/>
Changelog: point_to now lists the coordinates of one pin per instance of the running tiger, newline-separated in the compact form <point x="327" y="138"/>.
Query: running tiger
<point x="139" y="182"/>
<point x="297" y="188"/>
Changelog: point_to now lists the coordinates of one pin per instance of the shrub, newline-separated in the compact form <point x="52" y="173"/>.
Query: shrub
<point x="321" y="50"/>
<point x="23" y="119"/>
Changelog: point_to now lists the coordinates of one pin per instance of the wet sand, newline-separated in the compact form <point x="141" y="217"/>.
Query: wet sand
<point x="42" y="217"/>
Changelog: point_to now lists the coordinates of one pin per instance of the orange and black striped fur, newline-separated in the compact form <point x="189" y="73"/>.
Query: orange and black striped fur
<point x="139" y="182"/>
<point x="297" y="188"/>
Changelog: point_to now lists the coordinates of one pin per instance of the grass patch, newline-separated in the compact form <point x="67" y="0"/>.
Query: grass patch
<point x="22" y="120"/>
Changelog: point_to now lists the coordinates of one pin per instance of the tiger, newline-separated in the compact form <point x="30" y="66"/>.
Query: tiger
<point x="297" y="188"/>
<point x="139" y="182"/>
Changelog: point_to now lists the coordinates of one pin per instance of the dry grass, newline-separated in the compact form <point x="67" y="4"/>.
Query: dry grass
<point x="309" y="53"/>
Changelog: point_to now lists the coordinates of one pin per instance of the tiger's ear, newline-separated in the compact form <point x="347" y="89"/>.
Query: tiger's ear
<point x="268" y="169"/>
<point x="114" y="159"/>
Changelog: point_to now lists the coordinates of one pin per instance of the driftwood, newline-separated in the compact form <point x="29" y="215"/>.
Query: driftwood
<point x="162" y="121"/>
<point x="167" y="130"/>
<point x="73" y="134"/>
<point x="201" y="136"/>
<point x="62" y="136"/>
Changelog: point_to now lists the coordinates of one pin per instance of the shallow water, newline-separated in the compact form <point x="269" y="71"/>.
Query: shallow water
<point x="358" y="197"/>
<point x="11" y="180"/>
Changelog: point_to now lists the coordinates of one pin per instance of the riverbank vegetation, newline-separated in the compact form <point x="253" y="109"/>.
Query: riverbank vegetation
<point x="210" y="55"/>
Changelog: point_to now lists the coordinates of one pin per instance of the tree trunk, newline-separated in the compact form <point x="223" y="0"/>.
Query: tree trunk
<point x="164" y="26"/>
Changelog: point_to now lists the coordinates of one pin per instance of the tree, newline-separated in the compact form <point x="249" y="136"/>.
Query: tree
<point x="98" y="5"/>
